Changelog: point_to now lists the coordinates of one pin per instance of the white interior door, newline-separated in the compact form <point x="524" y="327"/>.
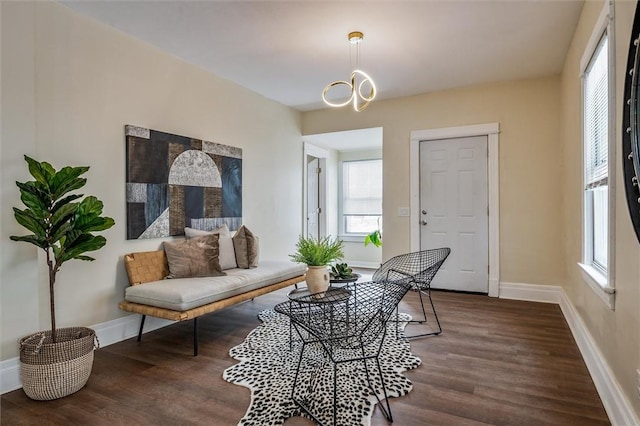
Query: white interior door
<point x="313" y="196"/>
<point x="454" y="210"/>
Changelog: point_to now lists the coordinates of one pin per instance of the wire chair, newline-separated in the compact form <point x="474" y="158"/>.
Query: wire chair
<point x="418" y="268"/>
<point x="348" y="324"/>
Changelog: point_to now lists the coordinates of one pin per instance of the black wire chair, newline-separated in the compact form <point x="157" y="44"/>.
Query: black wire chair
<point x="417" y="268"/>
<point x="347" y="324"/>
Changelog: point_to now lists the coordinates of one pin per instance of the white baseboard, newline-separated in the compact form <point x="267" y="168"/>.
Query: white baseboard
<point x="10" y="375"/>
<point x="108" y="333"/>
<point x="616" y="404"/>
<point x="531" y="292"/>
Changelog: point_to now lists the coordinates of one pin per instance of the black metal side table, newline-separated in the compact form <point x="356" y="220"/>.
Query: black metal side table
<point x="302" y="295"/>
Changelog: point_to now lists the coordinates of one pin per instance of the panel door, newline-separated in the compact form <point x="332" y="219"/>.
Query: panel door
<point x="454" y="210"/>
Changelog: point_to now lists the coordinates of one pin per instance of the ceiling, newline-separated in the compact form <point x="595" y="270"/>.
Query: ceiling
<point x="288" y="51"/>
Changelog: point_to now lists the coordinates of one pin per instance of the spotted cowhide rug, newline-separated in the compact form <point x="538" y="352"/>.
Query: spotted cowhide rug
<point x="267" y="366"/>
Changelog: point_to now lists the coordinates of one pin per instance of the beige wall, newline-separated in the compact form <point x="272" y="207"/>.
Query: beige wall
<point x="529" y="116"/>
<point x="615" y="332"/>
<point x="69" y="85"/>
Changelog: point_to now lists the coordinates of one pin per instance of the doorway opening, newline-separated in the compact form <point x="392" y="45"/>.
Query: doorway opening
<point x="327" y="160"/>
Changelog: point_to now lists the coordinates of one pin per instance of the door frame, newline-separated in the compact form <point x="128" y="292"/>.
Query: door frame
<point x="492" y="132"/>
<point x="321" y="154"/>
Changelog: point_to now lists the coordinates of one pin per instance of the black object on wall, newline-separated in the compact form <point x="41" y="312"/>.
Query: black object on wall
<point x="631" y="126"/>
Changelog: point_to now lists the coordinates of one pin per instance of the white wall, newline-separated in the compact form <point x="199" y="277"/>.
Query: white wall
<point x="69" y="85"/>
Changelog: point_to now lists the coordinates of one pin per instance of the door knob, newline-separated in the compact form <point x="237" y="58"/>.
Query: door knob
<point x="423" y="222"/>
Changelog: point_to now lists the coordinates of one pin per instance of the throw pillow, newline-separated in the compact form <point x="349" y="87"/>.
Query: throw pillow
<point x="246" y="247"/>
<point x="192" y="232"/>
<point x="227" y="256"/>
<point x="195" y="257"/>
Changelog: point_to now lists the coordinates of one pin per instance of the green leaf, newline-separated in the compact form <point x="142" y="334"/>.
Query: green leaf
<point x="40" y="242"/>
<point x="317" y="252"/>
<point x="63" y="214"/>
<point x="84" y="243"/>
<point x="373" y="238"/>
<point x="42" y="172"/>
<point x="64" y="201"/>
<point x="89" y="258"/>
<point x="27" y="219"/>
<point x="66" y="178"/>
<point x="34" y="202"/>
<point x="93" y="223"/>
<point x="35" y="189"/>
<point x="57" y="233"/>
<point x="68" y="186"/>
<point x="90" y="206"/>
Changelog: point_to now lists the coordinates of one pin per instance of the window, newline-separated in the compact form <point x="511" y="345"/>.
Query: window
<point x="598" y="108"/>
<point x="361" y="196"/>
<point x="596" y="147"/>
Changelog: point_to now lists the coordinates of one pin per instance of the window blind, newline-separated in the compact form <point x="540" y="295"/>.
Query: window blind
<point x="362" y="187"/>
<point x="596" y="118"/>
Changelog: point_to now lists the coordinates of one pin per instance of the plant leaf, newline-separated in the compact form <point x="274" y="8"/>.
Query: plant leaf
<point x="67" y="186"/>
<point x="42" y="172"/>
<point x="67" y="178"/>
<point x="27" y="219"/>
<point x="84" y="243"/>
<point x="63" y="214"/>
<point x="40" y="242"/>
<point x="89" y="258"/>
<point x="94" y="223"/>
<point x="64" y="201"/>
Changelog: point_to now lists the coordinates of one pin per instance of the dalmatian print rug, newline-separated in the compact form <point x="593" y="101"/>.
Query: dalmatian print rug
<point x="267" y="366"/>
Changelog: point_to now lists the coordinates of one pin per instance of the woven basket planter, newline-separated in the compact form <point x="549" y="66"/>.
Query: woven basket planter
<point x="55" y="370"/>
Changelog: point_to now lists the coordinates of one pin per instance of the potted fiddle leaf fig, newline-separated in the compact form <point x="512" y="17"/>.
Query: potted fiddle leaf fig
<point x="57" y="362"/>
<point x="317" y="254"/>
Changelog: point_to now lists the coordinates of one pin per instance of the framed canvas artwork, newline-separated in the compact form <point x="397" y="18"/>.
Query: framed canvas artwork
<point x="176" y="181"/>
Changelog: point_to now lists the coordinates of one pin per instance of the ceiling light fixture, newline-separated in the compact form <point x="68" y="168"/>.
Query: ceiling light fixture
<point x="359" y="81"/>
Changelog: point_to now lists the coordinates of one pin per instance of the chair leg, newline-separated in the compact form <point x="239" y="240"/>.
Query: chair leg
<point x="141" y="327"/>
<point x="386" y="411"/>
<point x="438" y="331"/>
<point x="195" y="336"/>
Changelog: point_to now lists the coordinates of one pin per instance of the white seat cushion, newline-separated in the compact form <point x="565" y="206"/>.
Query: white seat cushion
<point x="181" y="294"/>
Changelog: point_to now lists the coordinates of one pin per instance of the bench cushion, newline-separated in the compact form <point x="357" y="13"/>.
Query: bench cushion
<point x="181" y="294"/>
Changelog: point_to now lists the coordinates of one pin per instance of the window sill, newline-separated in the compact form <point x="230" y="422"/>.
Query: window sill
<point x="352" y="238"/>
<point x="599" y="284"/>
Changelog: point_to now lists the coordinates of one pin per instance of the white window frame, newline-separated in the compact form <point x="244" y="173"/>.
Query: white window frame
<point x="343" y="235"/>
<point x="602" y="284"/>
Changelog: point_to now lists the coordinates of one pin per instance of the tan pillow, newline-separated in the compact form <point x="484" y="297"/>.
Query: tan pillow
<point x="227" y="255"/>
<point x="246" y="247"/>
<point x="195" y="257"/>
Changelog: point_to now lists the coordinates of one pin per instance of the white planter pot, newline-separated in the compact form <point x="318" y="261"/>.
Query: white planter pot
<point x="317" y="280"/>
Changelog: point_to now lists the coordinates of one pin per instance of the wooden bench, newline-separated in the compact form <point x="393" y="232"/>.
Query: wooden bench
<point x="150" y="267"/>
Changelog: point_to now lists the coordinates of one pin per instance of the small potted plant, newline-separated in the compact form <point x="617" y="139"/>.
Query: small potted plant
<point x="342" y="273"/>
<point x="57" y="362"/>
<point x="317" y="254"/>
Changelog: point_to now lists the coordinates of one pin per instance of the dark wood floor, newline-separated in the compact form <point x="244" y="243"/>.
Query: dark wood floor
<point x="498" y="362"/>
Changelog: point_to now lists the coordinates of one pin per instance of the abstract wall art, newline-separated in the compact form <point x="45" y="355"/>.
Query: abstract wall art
<point x="177" y="181"/>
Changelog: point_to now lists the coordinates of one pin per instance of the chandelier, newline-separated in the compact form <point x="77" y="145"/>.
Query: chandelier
<point x="360" y="81"/>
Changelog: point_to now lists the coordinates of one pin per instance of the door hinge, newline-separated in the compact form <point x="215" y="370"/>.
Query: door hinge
<point x="318" y="170"/>
<point x="319" y="210"/>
